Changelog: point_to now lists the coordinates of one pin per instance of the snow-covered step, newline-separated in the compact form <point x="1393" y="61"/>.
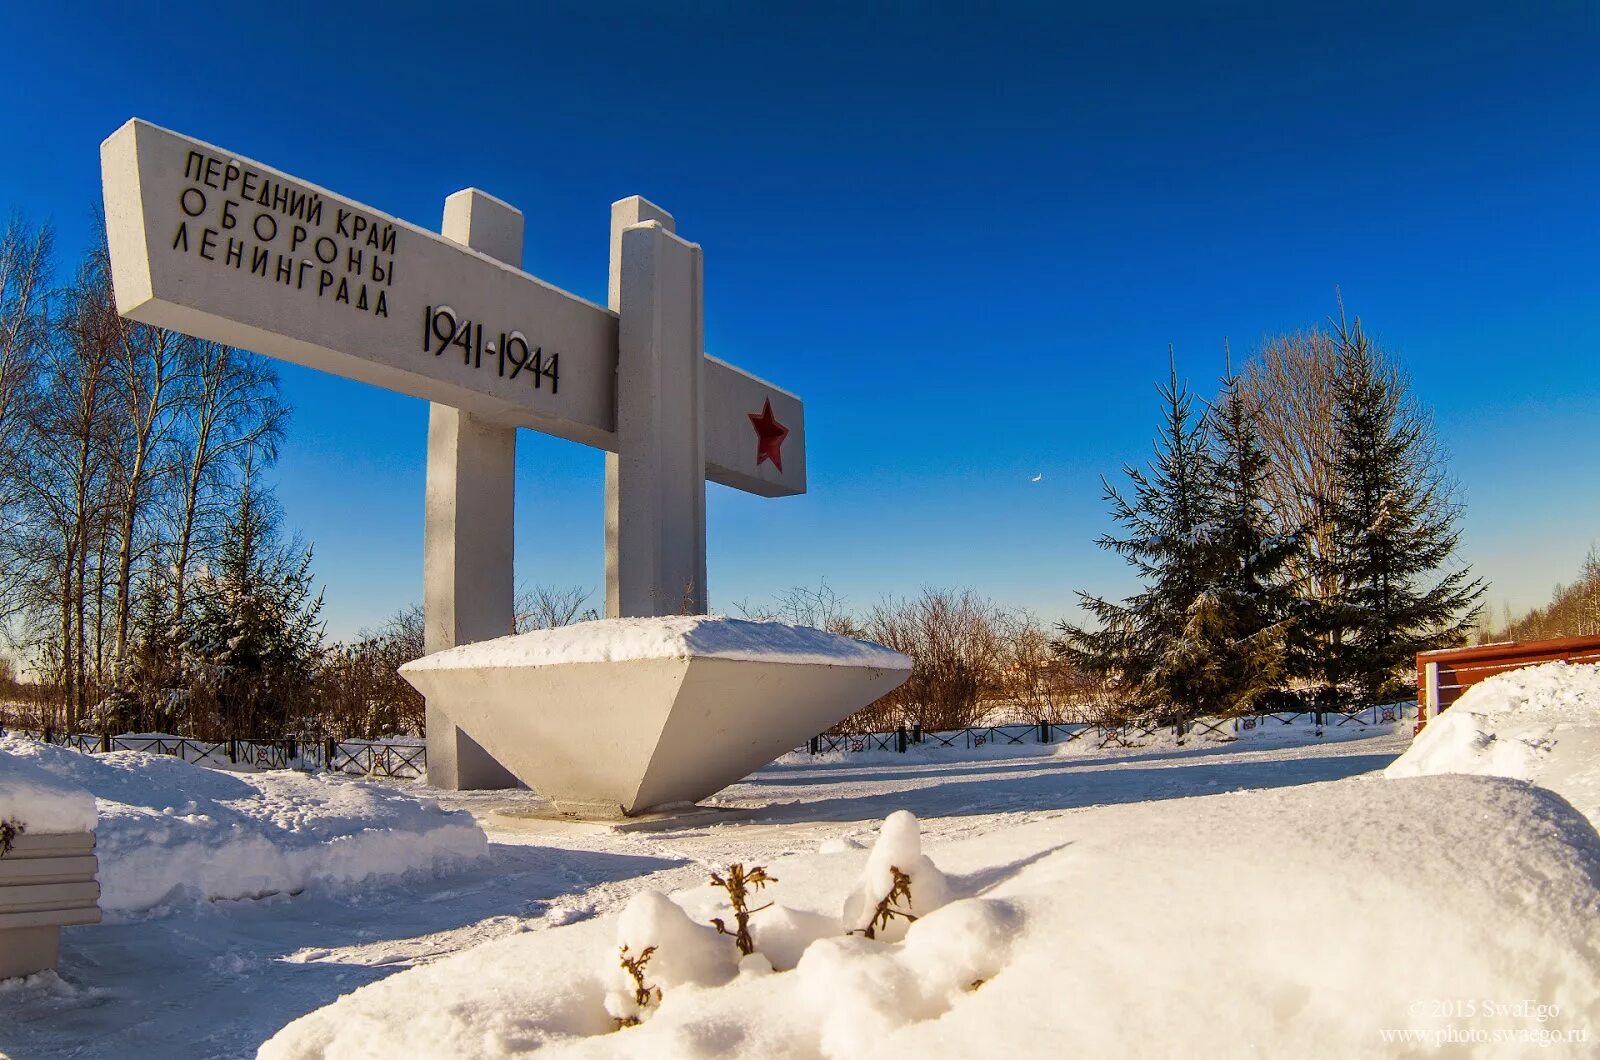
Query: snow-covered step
<point x="47" y="882"/>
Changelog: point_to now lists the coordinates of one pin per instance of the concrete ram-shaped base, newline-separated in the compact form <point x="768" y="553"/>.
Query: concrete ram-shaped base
<point x="623" y="716"/>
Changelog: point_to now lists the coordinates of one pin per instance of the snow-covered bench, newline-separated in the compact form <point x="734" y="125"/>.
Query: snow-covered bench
<point x="47" y="865"/>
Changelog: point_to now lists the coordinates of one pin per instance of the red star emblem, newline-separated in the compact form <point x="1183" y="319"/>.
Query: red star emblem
<point x="769" y="436"/>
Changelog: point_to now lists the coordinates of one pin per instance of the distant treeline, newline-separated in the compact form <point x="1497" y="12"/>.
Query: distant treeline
<point x="1573" y="611"/>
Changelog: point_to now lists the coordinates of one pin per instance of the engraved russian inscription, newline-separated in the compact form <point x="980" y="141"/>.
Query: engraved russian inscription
<point x="351" y="263"/>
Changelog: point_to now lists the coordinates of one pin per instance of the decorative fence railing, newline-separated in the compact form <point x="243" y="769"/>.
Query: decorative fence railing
<point x="1095" y="735"/>
<point x="408" y="760"/>
<point x="372" y="758"/>
<point x="377" y="758"/>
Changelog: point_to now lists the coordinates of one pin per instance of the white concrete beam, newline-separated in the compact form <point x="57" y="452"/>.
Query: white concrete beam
<point x="209" y="243"/>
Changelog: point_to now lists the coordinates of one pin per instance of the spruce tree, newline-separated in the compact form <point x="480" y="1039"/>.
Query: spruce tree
<point x="1393" y="525"/>
<point x="1243" y="618"/>
<point x="1139" y="645"/>
<point x="254" y="627"/>
<point x="145" y="697"/>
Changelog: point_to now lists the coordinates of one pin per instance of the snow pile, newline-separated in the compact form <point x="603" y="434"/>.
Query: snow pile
<point x="168" y="829"/>
<point x="662" y="949"/>
<point x="667" y="951"/>
<point x="1540" y="724"/>
<point x="897" y="853"/>
<point x="40" y="801"/>
<point x="676" y="637"/>
<point x="1301" y="921"/>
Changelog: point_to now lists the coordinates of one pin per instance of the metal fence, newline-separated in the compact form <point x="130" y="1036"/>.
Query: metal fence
<point x="377" y="759"/>
<point x="371" y="758"/>
<point x="1126" y="734"/>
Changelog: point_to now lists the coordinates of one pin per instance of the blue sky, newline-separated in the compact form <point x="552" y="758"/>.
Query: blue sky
<point x="965" y="240"/>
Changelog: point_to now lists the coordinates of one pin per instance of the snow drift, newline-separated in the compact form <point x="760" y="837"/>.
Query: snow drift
<point x="1303" y="921"/>
<point x="1540" y="724"/>
<point x="170" y="830"/>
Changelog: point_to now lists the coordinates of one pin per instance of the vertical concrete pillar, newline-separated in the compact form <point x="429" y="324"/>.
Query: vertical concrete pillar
<point x="655" y="483"/>
<point x="624" y="212"/>
<point x="468" y="547"/>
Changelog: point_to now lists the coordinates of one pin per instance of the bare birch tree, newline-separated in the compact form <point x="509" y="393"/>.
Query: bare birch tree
<point x="70" y="430"/>
<point x="149" y="367"/>
<point x="24" y="328"/>
<point x="1291" y="380"/>
<point x="121" y="449"/>
<point x="231" y="415"/>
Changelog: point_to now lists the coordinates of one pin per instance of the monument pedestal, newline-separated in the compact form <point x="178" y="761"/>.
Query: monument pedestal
<point x="621" y="717"/>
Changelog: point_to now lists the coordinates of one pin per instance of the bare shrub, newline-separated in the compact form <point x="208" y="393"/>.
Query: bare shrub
<point x="974" y="661"/>
<point x="819" y="608"/>
<point x="644" y="995"/>
<point x="739" y="884"/>
<point x="889" y="905"/>
<point x="954" y="644"/>
<point x="10" y="828"/>
<point x="359" y="691"/>
<point x="548" y="606"/>
<point x="26" y="704"/>
<point x="1034" y="681"/>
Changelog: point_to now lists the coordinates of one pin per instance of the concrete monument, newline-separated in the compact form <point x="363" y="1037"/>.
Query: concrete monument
<point x="214" y="245"/>
<point x="672" y="709"/>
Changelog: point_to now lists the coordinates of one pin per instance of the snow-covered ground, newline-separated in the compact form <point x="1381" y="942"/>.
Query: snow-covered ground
<point x="1298" y="921"/>
<point x="218" y="979"/>
<point x="1071" y="901"/>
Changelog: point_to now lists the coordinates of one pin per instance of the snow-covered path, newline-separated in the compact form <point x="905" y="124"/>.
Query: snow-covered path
<point x="217" y="981"/>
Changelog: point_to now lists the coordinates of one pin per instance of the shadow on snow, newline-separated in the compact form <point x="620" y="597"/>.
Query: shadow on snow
<point x="987" y="790"/>
<point x="232" y="973"/>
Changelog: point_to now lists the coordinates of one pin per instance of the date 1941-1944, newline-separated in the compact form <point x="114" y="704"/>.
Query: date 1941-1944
<point x="508" y="352"/>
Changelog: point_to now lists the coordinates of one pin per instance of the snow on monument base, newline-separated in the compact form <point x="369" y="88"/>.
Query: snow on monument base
<point x="623" y="716"/>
